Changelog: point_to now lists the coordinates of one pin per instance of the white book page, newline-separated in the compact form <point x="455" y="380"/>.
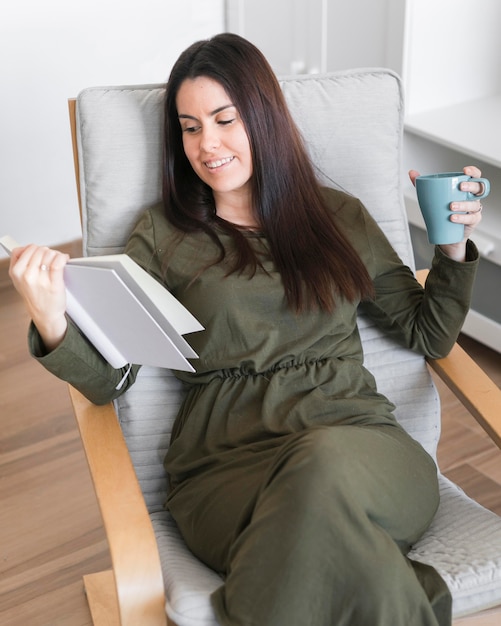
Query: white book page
<point x="8" y="244"/>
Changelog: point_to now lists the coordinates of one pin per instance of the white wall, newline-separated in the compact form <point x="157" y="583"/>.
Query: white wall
<point x="307" y="36"/>
<point x="358" y="34"/>
<point x="286" y="31"/>
<point x="49" y="51"/>
<point x="453" y="57"/>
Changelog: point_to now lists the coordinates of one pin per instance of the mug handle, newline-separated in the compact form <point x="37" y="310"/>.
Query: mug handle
<point x="486" y="191"/>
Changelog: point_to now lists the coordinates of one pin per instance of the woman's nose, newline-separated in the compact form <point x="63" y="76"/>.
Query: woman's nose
<point x="209" y="140"/>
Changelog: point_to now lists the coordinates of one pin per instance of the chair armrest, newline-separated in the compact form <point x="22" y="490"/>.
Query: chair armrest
<point x="72" y="110"/>
<point x="131" y="539"/>
<point x="471" y="385"/>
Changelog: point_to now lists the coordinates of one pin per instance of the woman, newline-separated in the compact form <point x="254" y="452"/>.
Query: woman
<point x="289" y="472"/>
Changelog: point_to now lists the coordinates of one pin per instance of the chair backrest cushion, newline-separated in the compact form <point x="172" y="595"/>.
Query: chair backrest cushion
<point x="352" y="124"/>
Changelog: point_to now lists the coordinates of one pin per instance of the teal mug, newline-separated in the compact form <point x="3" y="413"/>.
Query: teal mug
<point x="435" y="193"/>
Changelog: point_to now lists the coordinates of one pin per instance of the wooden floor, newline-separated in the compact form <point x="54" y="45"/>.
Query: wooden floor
<point x="50" y="528"/>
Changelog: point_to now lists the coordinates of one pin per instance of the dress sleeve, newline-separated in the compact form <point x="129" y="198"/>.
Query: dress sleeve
<point x="76" y="361"/>
<point x="426" y="320"/>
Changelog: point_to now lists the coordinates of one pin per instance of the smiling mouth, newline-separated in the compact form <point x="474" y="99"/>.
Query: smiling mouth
<point x="212" y="165"/>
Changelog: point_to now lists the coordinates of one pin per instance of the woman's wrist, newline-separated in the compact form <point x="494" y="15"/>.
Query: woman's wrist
<point x="455" y="251"/>
<point x="52" y="332"/>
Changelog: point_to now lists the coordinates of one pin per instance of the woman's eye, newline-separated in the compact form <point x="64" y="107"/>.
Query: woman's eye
<point x="190" y="129"/>
<point x="225" y="122"/>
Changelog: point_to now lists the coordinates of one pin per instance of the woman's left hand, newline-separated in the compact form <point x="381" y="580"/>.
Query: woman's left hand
<point x="468" y="213"/>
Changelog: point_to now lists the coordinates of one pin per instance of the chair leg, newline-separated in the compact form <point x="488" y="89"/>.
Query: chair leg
<point x="102" y="599"/>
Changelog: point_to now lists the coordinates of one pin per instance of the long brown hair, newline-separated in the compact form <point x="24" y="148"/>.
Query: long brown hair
<point x="314" y="258"/>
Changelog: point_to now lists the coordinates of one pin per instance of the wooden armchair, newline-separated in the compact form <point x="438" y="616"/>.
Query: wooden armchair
<point x="352" y="124"/>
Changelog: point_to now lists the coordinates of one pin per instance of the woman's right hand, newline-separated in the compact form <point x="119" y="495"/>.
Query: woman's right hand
<point x="37" y="274"/>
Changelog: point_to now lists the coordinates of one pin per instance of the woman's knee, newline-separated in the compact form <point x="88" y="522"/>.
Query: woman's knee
<point x="380" y="475"/>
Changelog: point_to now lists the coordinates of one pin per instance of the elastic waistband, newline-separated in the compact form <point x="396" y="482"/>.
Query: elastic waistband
<point x="247" y="371"/>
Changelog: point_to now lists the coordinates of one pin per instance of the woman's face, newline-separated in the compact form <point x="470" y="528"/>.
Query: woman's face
<point x="214" y="138"/>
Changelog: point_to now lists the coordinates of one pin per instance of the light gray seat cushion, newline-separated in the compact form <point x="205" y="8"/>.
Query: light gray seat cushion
<point x="352" y="125"/>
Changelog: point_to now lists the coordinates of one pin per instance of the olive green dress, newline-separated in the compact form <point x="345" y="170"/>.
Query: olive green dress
<point x="289" y="473"/>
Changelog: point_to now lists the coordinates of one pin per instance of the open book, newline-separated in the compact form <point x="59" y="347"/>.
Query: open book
<point x="125" y="312"/>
